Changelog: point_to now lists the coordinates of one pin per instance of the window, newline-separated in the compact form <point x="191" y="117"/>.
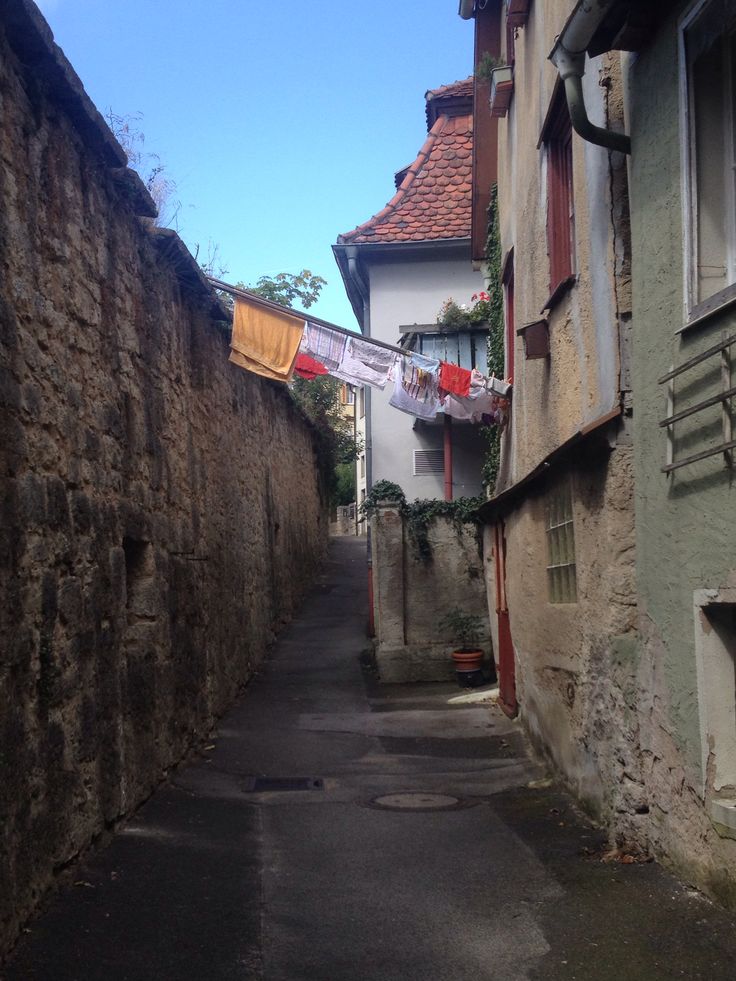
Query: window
<point x="469" y="349"/>
<point x="362" y="465"/>
<point x="561" y="575"/>
<point x="708" y="52"/>
<point x="715" y="658"/>
<point x="508" y="308"/>
<point x="510" y="40"/>
<point x="361" y="402"/>
<point x="347" y="394"/>
<point x="557" y="139"/>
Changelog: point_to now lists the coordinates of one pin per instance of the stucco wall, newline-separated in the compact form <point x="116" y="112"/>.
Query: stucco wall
<point x="412" y="293"/>
<point x="412" y="592"/>
<point x="579" y="382"/>
<point x="161" y="510"/>
<point x="574" y="669"/>
<point x="685" y="530"/>
<point x="576" y="661"/>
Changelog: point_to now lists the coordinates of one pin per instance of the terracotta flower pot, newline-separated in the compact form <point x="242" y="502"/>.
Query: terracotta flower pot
<point x="467" y="660"/>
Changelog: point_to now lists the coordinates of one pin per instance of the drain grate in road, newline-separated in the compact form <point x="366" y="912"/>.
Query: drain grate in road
<point x="263" y="785"/>
<point x="419" y="801"/>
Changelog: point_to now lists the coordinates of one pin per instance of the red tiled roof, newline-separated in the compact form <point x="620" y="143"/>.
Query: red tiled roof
<point x="435" y="196"/>
<point x="465" y="87"/>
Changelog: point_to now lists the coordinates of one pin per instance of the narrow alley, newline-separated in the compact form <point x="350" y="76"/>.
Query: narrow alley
<point x="422" y="844"/>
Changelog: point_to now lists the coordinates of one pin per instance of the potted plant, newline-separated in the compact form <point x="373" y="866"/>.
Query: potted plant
<point x="502" y="87"/>
<point x="486" y="63"/>
<point x="465" y="630"/>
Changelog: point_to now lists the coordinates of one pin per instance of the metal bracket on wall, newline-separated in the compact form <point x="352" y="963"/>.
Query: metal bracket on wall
<point x="724" y="397"/>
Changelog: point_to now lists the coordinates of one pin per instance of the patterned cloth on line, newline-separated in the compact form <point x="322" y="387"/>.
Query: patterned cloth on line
<point x="413" y="394"/>
<point x="365" y="364"/>
<point x="324" y="345"/>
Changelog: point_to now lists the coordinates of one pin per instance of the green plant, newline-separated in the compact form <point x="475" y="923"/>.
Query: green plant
<point x="383" y="490"/>
<point x="486" y="64"/>
<point x="464" y="628"/>
<point x="491" y="434"/>
<point x="458" y="316"/>
<point x="419" y="514"/>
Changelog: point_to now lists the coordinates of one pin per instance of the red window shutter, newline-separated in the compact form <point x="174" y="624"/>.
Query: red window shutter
<point x="557" y="137"/>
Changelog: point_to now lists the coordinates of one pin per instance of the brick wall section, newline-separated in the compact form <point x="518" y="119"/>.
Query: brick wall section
<point x="161" y="509"/>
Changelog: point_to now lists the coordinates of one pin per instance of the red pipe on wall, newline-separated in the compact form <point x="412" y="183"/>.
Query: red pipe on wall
<point x="448" y="458"/>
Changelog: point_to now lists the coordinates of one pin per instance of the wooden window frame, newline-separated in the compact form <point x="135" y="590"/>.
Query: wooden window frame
<point x="560" y="535"/>
<point x="695" y="307"/>
<point x="507" y="280"/>
<point x="557" y="140"/>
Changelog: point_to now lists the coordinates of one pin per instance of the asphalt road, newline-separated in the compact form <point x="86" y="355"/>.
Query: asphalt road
<point x="217" y="879"/>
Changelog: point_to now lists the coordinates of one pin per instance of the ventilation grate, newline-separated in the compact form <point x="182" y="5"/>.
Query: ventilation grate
<point x="428" y="462"/>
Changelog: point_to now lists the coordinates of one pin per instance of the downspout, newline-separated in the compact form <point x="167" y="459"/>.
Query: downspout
<point x="362" y="287"/>
<point x="447" y="446"/>
<point x="568" y="56"/>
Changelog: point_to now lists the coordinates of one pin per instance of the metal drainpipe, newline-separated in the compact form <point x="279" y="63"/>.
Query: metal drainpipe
<point x="568" y="56"/>
<point x="448" y="457"/>
<point x="466" y="9"/>
<point x="365" y="297"/>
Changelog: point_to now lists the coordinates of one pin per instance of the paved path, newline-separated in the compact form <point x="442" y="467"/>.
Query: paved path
<point x="213" y="882"/>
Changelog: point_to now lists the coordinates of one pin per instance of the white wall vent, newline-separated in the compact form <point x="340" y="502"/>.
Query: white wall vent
<point x="428" y="462"/>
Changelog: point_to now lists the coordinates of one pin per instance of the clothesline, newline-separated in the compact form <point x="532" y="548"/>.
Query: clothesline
<point x="280" y="308"/>
<point x="275" y="340"/>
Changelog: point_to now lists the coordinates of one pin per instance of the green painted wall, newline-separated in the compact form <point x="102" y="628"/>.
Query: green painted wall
<point x="686" y="533"/>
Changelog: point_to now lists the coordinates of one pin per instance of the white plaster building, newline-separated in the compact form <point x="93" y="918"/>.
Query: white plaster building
<point x="399" y="268"/>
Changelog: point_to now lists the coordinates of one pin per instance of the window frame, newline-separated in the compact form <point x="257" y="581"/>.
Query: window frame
<point x="507" y="280"/>
<point x="562" y="590"/>
<point x="696" y="309"/>
<point x="556" y="139"/>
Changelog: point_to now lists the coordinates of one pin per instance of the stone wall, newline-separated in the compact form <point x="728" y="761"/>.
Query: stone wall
<point x="412" y="592"/>
<point x="161" y="509"/>
<point x="575" y="661"/>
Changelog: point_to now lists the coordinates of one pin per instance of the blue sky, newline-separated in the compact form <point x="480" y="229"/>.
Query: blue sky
<point x="282" y="123"/>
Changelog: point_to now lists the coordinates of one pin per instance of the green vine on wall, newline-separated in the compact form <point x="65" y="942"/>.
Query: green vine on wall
<point x="418" y="515"/>
<point x="491" y="434"/>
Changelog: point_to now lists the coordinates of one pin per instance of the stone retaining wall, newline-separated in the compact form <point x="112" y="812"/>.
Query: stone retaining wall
<point x="162" y="513"/>
<point x="412" y="592"/>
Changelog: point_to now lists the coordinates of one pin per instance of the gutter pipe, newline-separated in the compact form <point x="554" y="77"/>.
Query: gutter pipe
<point x="351" y="254"/>
<point x="568" y="56"/>
<point x="466" y="9"/>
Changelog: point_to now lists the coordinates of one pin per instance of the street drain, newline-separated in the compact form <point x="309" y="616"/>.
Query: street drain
<point x="264" y="785"/>
<point x="418" y="801"/>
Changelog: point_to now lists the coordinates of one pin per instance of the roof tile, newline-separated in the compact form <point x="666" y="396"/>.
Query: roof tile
<point x="434" y="199"/>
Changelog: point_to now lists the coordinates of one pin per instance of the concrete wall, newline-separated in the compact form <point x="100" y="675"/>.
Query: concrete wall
<point x="161" y="509"/>
<point x="412" y="293"/>
<point x="413" y="593"/>
<point x="686" y="537"/>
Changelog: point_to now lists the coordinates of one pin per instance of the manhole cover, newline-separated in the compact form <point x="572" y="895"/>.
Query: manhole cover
<point x="419" y="801"/>
<point x="263" y="785"/>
